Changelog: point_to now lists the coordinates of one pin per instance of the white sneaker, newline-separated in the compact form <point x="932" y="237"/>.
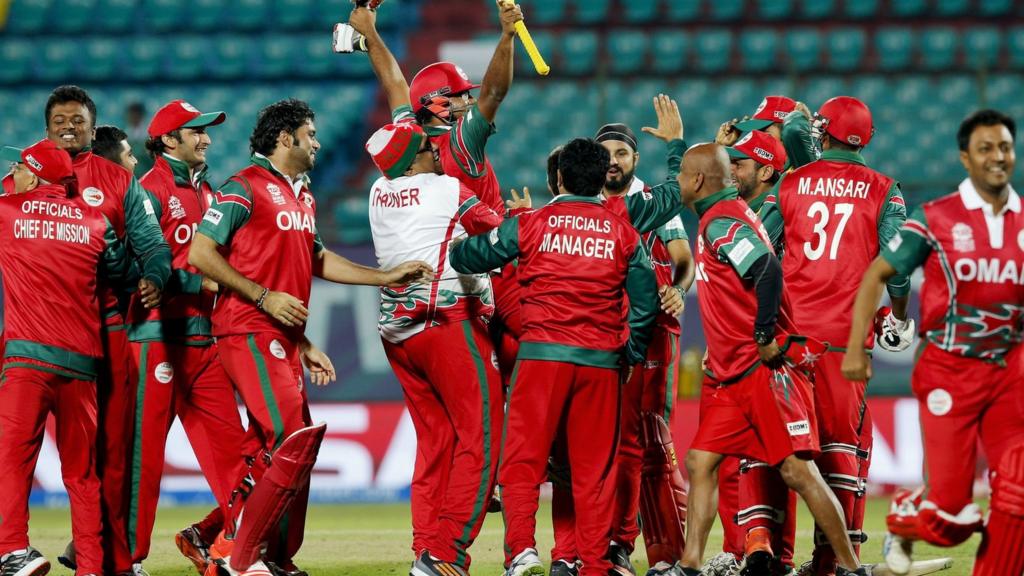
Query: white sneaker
<point x="722" y="564"/>
<point x="138" y="570"/>
<point x="897" y="553"/>
<point x="526" y="563"/>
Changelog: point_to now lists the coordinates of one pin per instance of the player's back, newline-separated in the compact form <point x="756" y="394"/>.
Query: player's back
<point x="574" y="257"/>
<point x="831" y="209"/>
<point x="50" y="248"/>
<point x="416" y="218"/>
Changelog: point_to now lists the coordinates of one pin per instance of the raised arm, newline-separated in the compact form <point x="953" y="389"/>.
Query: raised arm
<point x="385" y="66"/>
<point x="498" y="77"/>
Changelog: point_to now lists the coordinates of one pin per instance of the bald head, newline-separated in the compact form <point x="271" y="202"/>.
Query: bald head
<point x="704" y="171"/>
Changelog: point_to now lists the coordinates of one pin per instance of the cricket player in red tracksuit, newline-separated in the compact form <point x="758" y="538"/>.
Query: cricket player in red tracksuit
<point x="51" y="244"/>
<point x="112" y="190"/>
<point x="455" y="399"/>
<point x="968" y="375"/>
<point x="577" y="260"/>
<point x="837" y="213"/>
<point x="179" y="372"/>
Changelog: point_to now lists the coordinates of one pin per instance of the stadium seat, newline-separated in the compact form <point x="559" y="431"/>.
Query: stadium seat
<point x="713" y="49"/>
<point x="818" y="9"/>
<point x="274" y="59"/>
<point x="247" y="14"/>
<point x="292" y="14"/>
<point x="186" y="57"/>
<point x="982" y="45"/>
<point x="938" y="47"/>
<point x="118" y="15"/>
<point x="545" y="11"/>
<point x="162" y="15"/>
<point x="102" y="54"/>
<point x="28" y="16"/>
<point x="726" y="10"/>
<point x="75" y="16"/>
<point x="579" y="52"/>
<point x="208" y="16"/>
<point x="845" y="48"/>
<point x="907" y="8"/>
<point x="230" y="55"/>
<point x="310" y="59"/>
<point x="684" y="10"/>
<point x="670" y="51"/>
<point x="818" y="89"/>
<point x="142" y="60"/>
<point x="1015" y="46"/>
<point x="952" y="7"/>
<point x="56" y="61"/>
<point x="775" y="9"/>
<point x="861" y="9"/>
<point x="994" y="7"/>
<point x="591" y="11"/>
<point x="803" y="46"/>
<point x="640" y="11"/>
<point x="894" y="46"/>
<point x="17" y="54"/>
<point x="759" y="49"/>
<point x="627" y="51"/>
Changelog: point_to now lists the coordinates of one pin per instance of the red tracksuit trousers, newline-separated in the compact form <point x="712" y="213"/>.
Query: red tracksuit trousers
<point x="27" y="395"/>
<point x="452" y="389"/>
<point x="584" y="401"/>
<point x="116" y="393"/>
<point x="267" y="373"/>
<point x="188" y="382"/>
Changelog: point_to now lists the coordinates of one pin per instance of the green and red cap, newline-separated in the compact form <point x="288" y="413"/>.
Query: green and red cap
<point x="771" y="110"/>
<point x="395" y="146"/>
<point x="761" y="148"/>
<point x="180" y="114"/>
<point x="44" y="159"/>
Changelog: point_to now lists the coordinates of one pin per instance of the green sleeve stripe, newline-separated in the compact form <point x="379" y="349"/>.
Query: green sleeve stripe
<point x="486" y="252"/>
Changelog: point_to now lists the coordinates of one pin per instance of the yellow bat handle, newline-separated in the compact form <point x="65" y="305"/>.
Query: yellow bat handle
<point x="538" y="61"/>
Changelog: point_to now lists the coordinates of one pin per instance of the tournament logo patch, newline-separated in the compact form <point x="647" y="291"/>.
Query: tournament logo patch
<point x="1020" y="239"/>
<point x="277" y="350"/>
<point x="799" y="428"/>
<point x="189" y="108"/>
<point x="462" y="73"/>
<point x="164" y="372"/>
<point x="92" y="196"/>
<point x="494" y="360"/>
<point x="939" y="402"/>
<point x="761" y="106"/>
<point x="275" y="194"/>
<point x="963" y="238"/>
<point x="307" y="199"/>
<point x="177" y="212"/>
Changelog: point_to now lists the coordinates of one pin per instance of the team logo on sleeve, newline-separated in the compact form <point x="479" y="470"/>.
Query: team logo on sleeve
<point x="277" y="350"/>
<point x="963" y="238"/>
<point x="275" y="194"/>
<point x="800" y="428"/>
<point x="92" y="196"/>
<point x="895" y="242"/>
<point x="164" y="372"/>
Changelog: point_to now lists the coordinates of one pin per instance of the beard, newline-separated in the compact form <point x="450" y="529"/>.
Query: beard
<point x="620" y="182"/>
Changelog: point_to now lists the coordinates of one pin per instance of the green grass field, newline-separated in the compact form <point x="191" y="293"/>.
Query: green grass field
<point x="374" y="539"/>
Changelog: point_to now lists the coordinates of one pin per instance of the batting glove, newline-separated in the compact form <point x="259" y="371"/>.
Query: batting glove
<point x="347" y="40"/>
<point x="894" y="335"/>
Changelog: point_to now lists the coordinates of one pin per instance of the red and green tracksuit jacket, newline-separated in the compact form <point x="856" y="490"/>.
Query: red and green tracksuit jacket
<point x="179" y="202"/>
<point x="577" y="261"/>
<point x="51" y="249"/>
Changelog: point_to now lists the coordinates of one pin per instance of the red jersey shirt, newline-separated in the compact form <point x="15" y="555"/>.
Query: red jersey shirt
<point x="50" y="249"/>
<point x="266" y="225"/>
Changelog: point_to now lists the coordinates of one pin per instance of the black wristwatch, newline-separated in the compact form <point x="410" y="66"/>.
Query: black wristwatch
<point x="763" y="337"/>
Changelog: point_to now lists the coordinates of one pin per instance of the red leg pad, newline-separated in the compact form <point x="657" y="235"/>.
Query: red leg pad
<point x="1002" y="547"/>
<point x="662" y="493"/>
<point x="289" y="468"/>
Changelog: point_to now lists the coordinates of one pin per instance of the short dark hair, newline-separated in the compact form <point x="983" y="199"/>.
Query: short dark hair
<point x="107" y="143"/>
<point x="287" y="115"/>
<point x="583" y="164"/>
<point x="70" y="93"/>
<point x="155" y="144"/>
<point x="986" y="117"/>
<point x="553" y="169"/>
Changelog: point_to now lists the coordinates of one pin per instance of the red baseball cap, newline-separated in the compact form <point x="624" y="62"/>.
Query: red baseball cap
<point x="771" y="110"/>
<point x="395" y="146"/>
<point x="180" y="114"/>
<point x="44" y="159"/>
<point x="761" y="148"/>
